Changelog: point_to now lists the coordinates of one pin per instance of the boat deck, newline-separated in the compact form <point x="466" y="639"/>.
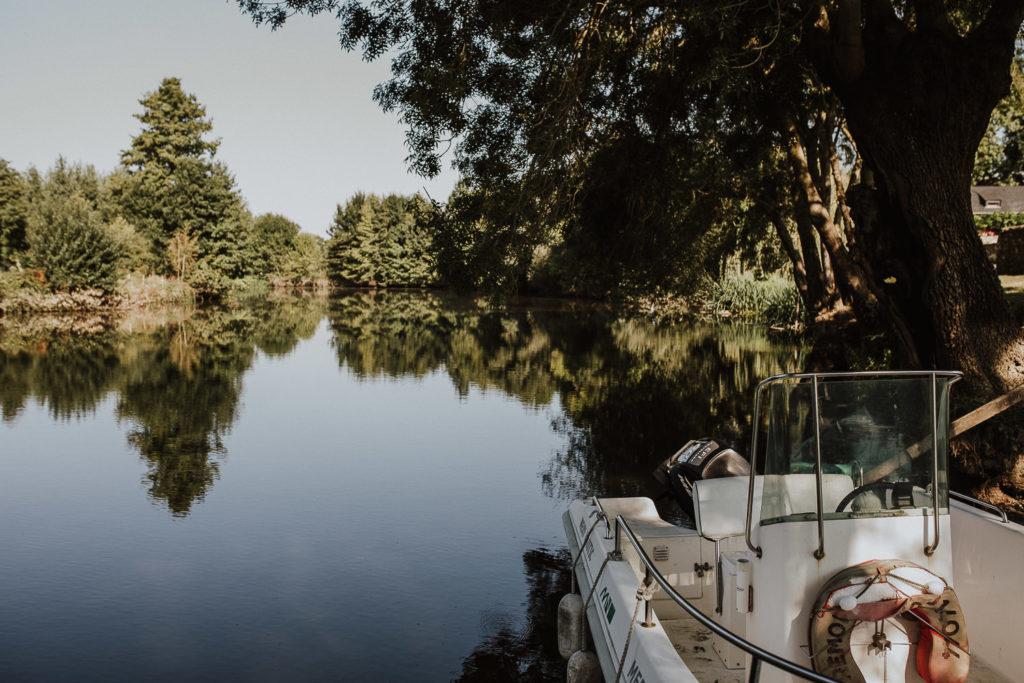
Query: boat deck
<point x="693" y="643"/>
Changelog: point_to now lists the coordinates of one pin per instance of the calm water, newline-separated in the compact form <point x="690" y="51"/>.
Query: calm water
<point x="365" y="488"/>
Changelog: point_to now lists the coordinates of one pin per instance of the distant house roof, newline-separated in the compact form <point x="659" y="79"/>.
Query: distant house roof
<point x="997" y="199"/>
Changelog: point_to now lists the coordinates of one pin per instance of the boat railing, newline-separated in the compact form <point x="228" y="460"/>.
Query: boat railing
<point x="964" y="498"/>
<point x="757" y="654"/>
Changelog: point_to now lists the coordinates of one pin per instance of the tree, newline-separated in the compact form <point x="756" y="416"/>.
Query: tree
<point x="172" y="182"/>
<point x="275" y="237"/>
<point x="353" y="249"/>
<point x="380" y="241"/>
<point x="181" y="250"/>
<point x="306" y="264"/>
<point x="13" y="214"/>
<point x="66" y="235"/>
<point x="407" y="250"/>
<point x="917" y="86"/>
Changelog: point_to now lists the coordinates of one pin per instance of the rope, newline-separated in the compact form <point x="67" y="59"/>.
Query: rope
<point x="583" y="545"/>
<point x="643" y="593"/>
<point x="586" y="604"/>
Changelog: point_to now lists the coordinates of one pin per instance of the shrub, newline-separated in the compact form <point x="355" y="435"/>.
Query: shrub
<point x="995" y="222"/>
<point x="248" y="289"/>
<point x="137" y="290"/>
<point x="208" y="283"/>
<point x="73" y="247"/>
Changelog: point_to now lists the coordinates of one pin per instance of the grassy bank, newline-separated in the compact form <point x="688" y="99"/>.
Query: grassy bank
<point x="21" y="293"/>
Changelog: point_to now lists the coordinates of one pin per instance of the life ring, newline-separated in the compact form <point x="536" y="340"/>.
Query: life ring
<point x="882" y="590"/>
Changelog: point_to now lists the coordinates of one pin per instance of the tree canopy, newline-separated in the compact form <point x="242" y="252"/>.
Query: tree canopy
<point x="73" y="237"/>
<point x="643" y="135"/>
<point x="380" y="241"/>
<point x="1000" y="158"/>
<point x="650" y="130"/>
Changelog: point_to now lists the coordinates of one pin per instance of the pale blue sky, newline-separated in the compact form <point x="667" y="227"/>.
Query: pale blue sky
<point x="299" y="128"/>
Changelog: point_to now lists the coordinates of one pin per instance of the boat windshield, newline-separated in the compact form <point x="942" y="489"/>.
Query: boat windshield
<point x="872" y="434"/>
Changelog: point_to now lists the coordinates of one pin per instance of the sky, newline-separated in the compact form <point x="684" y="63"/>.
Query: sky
<point x="294" y="112"/>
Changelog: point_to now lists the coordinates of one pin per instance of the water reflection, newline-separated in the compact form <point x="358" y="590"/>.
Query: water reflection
<point x="529" y="653"/>
<point x="71" y="373"/>
<point x="630" y="392"/>
<point x="177" y="380"/>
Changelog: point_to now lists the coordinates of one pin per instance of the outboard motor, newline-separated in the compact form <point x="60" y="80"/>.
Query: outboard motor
<point x="698" y="459"/>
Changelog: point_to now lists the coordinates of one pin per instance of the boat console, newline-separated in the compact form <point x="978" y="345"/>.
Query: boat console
<point x="851" y="470"/>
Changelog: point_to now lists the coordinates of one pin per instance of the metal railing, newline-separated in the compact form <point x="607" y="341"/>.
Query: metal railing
<point x="819" y="552"/>
<point x="970" y="500"/>
<point x="757" y="654"/>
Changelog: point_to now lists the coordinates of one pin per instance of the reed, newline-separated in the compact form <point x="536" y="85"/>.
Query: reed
<point x="772" y="300"/>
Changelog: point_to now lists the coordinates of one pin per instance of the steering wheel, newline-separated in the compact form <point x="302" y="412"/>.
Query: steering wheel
<point x="864" y="488"/>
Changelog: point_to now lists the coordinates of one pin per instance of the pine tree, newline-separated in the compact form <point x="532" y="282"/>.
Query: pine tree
<point x="377" y="241"/>
<point x="174" y="124"/>
<point x="172" y="182"/>
<point x="353" y="253"/>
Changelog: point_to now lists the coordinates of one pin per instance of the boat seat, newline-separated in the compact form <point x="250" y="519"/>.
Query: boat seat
<point x="643" y="518"/>
<point x="720" y="505"/>
<point x="795" y="494"/>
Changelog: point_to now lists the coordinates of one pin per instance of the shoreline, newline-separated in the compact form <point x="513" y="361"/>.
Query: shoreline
<point x="153" y="294"/>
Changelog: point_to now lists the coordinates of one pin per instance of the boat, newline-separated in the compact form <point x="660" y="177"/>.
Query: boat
<point x="837" y="553"/>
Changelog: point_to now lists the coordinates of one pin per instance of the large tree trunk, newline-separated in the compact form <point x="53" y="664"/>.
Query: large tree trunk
<point x="917" y="103"/>
<point x="855" y="281"/>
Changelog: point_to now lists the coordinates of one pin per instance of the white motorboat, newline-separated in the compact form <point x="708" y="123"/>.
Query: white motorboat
<point x="837" y="554"/>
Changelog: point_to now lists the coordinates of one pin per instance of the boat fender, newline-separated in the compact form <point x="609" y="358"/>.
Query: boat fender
<point x="570" y="625"/>
<point x="889" y="589"/>
<point x="583" y="667"/>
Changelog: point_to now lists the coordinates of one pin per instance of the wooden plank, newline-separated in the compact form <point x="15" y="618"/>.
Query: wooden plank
<point x="987" y="411"/>
<point x="959" y="426"/>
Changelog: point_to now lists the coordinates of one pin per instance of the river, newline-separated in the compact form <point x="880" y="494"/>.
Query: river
<point x="366" y="487"/>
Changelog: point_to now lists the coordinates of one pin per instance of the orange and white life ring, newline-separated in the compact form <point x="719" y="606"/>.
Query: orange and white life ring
<point x="894" y="592"/>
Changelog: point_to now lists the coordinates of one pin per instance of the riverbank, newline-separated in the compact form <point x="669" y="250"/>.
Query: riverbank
<point x="23" y="294"/>
<point x="770" y="302"/>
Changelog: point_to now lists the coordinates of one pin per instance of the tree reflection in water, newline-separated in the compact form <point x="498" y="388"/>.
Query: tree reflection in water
<point x="178" y="383"/>
<point x="530" y="653"/>
<point x="631" y="392"/>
